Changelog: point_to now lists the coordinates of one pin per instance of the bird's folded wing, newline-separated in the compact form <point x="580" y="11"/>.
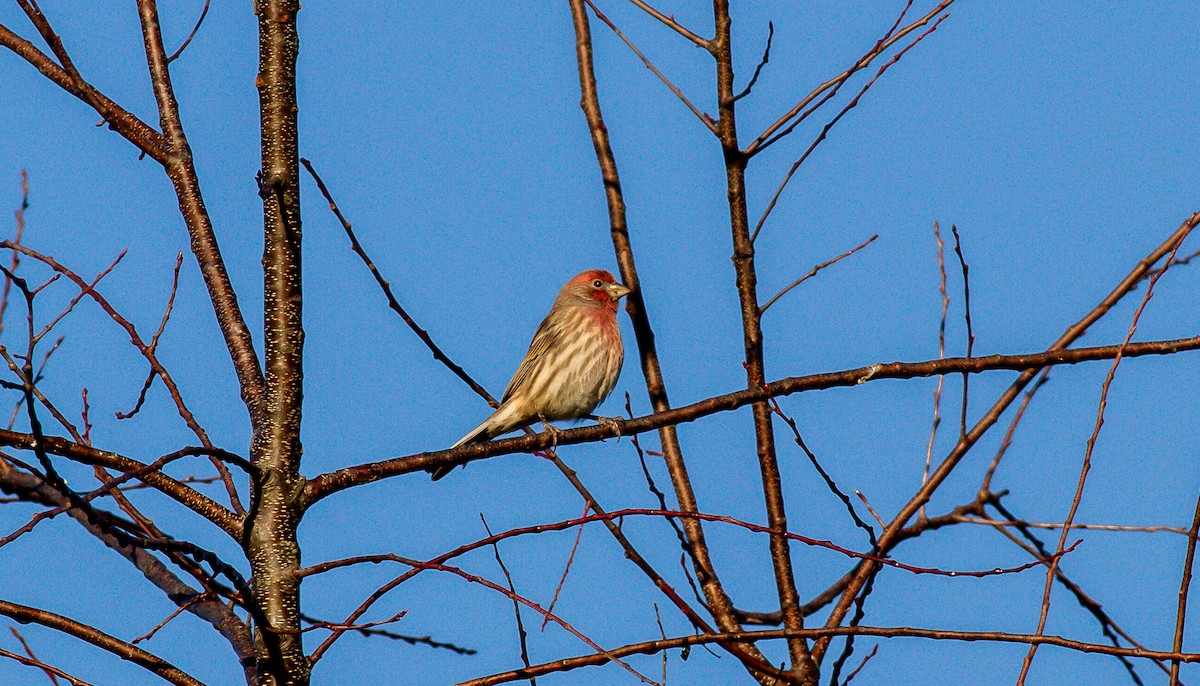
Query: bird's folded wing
<point x="542" y="339"/>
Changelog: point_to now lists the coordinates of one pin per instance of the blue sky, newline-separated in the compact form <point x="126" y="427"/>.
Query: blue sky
<point x="1058" y="137"/>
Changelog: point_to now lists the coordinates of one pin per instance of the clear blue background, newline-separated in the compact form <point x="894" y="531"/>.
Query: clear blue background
<point x="1060" y="137"/>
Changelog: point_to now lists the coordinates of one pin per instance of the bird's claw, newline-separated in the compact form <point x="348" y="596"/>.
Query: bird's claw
<point x="554" y="432"/>
<point x="610" y="423"/>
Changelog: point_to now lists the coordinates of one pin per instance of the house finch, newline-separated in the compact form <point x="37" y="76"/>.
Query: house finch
<point x="572" y="364"/>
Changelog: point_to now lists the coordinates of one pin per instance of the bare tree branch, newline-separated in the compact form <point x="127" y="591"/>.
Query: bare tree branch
<point x="123" y="650"/>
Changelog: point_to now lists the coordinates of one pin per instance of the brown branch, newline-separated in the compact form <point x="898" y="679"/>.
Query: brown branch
<point x="718" y="601"/>
<point x="123" y="650"/>
<point x="669" y="21"/>
<point x="192" y="499"/>
<point x="32" y="488"/>
<point x="120" y="120"/>
<point x="324" y="485"/>
<point x="992" y="415"/>
<point x="703" y="117"/>
<point x="181" y="170"/>
<point x="651" y="647"/>
<point x="804" y="669"/>
<point x="271" y="544"/>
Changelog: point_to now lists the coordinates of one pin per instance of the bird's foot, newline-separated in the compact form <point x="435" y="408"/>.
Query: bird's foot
<point x="611" y="423"/>
<point x="554" y="432"/>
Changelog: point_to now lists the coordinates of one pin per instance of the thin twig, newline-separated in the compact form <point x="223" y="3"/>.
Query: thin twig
<point x="761" y="63"/>
<point x="962" y="263"/>
<point x="587" y="506"/>
<point x="50" y="672"/>
<point x="521" y="635"/>
<point x="813" y="272"/>
<point x="937" y="393"/>
<point x="195" y="29"/>
<point x="1087" y="457"/>
<point x="393" y="303"/>
<point x="703" y="117"/>
<point x="865" y="660"/>
<point x="832" y="122"/>
<point x="1185" y="585"/>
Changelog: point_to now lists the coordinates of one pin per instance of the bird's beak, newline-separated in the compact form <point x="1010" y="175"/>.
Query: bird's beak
<point x="616" y="291"/>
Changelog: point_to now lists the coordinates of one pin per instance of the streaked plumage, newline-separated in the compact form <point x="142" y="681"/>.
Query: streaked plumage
<point x="572" y="363"/>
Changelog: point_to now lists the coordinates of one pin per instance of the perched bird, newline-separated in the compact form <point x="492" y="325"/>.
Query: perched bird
<point x="572" y="364"/>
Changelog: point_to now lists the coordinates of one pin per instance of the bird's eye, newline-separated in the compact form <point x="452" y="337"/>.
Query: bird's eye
<point x="597" y="284"/>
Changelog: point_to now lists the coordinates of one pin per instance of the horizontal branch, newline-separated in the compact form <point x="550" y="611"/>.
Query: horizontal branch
<point x="191" y="498"/>
<point x="651" y="647"/>
<point x="326" y="484"/>
<point x="92" y="635"/>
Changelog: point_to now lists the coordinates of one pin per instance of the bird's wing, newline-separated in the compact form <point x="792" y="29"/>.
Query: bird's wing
<point x="542" y="339"/>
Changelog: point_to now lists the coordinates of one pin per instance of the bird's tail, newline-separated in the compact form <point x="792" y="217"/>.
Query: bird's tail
<point x="496" y="424"/>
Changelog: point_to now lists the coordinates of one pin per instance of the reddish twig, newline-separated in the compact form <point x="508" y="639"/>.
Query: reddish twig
<point x="50" y="671"/>
<point x="154" y="339"/>
<point x="187" y="604"/>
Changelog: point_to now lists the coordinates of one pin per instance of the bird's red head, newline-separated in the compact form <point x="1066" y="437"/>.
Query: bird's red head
<point x="596" y="287"/>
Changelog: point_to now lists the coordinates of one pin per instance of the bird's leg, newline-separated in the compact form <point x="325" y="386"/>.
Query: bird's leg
<point x="611" y="423"/>
<point x="554" y="432"/>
